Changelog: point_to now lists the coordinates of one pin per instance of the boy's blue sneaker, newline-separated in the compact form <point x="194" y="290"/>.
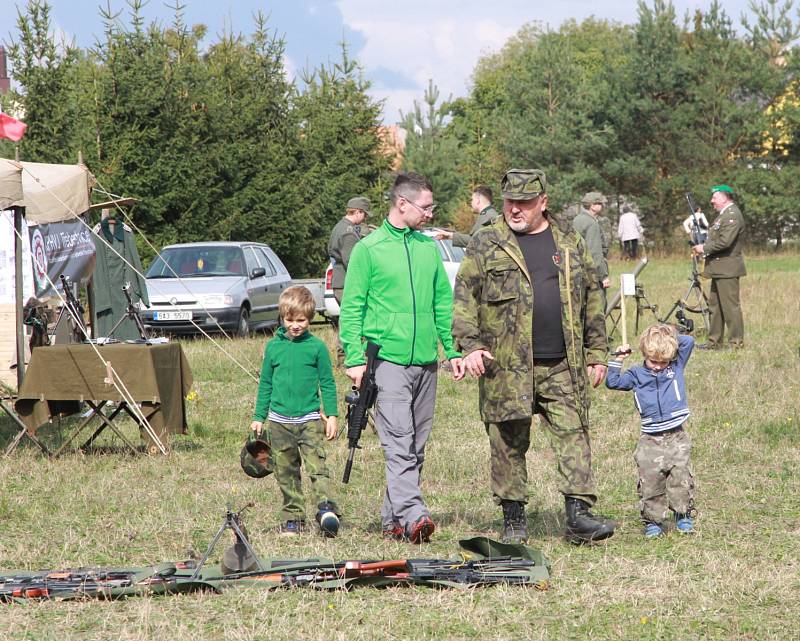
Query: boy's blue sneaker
<point x="653" y="531"/>
<point x="684" y="524"/>
<point x="291" y="528"/>
<point x="327" y="519"/>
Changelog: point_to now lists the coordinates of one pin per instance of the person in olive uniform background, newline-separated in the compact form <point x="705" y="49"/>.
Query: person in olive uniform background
<point x="724" y="265"/>
<point x="587" y="225"/>
<point x="528" y="317"/>
<point x="344" y="236"/>
<point x="482" y="205"/>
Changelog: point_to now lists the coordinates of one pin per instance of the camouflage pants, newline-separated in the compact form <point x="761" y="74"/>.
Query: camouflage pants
<point x="509" y="440"/>
<point x="293" y="445"/>
<point x="665" y="477"/>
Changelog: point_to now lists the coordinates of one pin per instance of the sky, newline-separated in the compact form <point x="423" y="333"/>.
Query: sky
<point x="401" y="45"/>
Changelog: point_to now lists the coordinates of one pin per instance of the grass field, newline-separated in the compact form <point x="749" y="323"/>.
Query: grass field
<point x="738" y="577"/>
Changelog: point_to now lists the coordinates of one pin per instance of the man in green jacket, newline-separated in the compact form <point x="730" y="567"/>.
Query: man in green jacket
<point x="528" y="315"/>
<point x="397" y="295"/>
<point x="724" y="265"/>
<point x="587" y="225"/>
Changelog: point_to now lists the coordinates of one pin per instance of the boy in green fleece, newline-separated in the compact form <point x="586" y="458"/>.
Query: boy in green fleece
<point x="295" y="372"/>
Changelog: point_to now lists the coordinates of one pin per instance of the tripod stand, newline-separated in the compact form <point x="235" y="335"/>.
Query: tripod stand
<point x="694" y="301"/>
<point x="132" y="313"/>
<point x="642" y="305"/>
<point x="240" y="557"/>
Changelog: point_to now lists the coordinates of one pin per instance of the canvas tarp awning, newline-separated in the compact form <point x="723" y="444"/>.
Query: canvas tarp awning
<point x="49" y="193"/>
<point x="10" y="183"/>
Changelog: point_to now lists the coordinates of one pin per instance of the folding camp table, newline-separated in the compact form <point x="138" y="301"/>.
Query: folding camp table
<point x="61" y="377"/>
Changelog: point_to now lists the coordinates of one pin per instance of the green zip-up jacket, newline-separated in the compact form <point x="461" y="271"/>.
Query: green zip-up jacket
<point x="293" y="374"/>
<point x="396" y="294"/>
<point x="493" y="311"/>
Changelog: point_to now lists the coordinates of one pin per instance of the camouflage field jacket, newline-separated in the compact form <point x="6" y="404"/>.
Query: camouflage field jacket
<point x="493" y="310"/>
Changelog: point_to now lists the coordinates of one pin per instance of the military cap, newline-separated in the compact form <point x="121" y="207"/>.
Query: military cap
<point x="249" y="458"/>
<point x="592" y="198"/>
<point x="359" y="202"/>
<point x="523" y="184"/>
<point x="725" y="188"/>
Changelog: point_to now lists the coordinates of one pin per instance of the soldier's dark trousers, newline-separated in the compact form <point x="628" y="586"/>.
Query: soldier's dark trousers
<point x="509" y="440"/>
<point x="403" y="419"/>
<point x="293" y="446"/>
<point x="726" y="311"/>
<point x="337" y="294"/>
<point x="665" y="477"/>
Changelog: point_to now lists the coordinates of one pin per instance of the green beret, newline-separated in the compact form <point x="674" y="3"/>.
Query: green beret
<point x="725" y="188"/>
<point x="592" y="198"/>
<point x="523" y="184"/>
<point x="359" y="202"/>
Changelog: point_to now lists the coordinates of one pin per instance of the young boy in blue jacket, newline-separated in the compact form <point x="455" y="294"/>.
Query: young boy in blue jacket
<point x="662" y="455"/>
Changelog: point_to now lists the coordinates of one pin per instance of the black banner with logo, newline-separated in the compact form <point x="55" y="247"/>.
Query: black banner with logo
<point x="61" y="248"/>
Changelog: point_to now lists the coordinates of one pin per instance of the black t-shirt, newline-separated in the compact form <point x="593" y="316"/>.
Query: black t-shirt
<point x="541" y="259"/>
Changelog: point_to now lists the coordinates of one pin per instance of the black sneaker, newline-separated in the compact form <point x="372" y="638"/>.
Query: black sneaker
<point x="328" y="520"/>
<point x="291" y="528"/>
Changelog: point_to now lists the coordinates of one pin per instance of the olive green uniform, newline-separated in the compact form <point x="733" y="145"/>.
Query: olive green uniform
<point x="344" y="236"/>
<point x="606" y="232"/>
<point x="118" y="263"/>
<point x="492" y="310"/>
<point x="724" y="265"/>
<point x="487" y="215"/>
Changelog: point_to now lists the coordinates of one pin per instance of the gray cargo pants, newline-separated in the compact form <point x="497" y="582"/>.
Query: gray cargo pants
<point x="403" y="418"/>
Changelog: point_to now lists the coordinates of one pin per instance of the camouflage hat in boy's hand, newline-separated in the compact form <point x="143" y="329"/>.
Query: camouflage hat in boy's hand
<point x="256" y="458"/>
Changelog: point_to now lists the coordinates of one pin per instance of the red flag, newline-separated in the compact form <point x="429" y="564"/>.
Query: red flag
<point x="11" y="128"/>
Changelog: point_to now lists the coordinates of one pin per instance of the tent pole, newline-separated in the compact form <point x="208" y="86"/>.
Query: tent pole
<point x="18" y="215"/>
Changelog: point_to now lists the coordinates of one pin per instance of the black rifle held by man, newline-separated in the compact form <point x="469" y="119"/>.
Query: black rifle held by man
<point x="358" y="403"/>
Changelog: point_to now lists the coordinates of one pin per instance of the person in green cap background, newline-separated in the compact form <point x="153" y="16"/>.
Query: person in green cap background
<point x="528" y="316"/>
<point x="587" y="225"/>
<point x="724" y="265"/>
<point x="482" y="205"/>
<point x="344" y="236"/>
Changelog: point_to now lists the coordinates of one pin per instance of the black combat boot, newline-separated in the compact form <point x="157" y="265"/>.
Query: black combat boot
<point x="515" y="527"/>
<point x="582" y="525"/>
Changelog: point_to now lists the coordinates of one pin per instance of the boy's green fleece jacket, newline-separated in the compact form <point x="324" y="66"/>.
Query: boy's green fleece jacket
<point x="396" y="294"/>
<point x="292" y="375"/>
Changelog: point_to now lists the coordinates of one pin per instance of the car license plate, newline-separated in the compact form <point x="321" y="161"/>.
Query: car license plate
<point x="172" y="316"/>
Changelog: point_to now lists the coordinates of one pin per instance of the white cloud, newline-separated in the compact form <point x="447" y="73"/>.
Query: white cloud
<point x="444" y="50"/>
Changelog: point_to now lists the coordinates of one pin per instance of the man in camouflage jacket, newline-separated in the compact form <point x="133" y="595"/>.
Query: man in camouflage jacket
<point x="494" y="323"/>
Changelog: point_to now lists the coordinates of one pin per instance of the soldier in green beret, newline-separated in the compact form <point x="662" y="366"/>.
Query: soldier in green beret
<point x="724" y="265"/>
<point x="529" y="318"/>
<point x="344" y="236"/>
<point x="588" y="226"/>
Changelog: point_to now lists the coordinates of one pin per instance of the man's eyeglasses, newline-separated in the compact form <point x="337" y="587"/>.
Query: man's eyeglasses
<point x="425" y="210"/>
